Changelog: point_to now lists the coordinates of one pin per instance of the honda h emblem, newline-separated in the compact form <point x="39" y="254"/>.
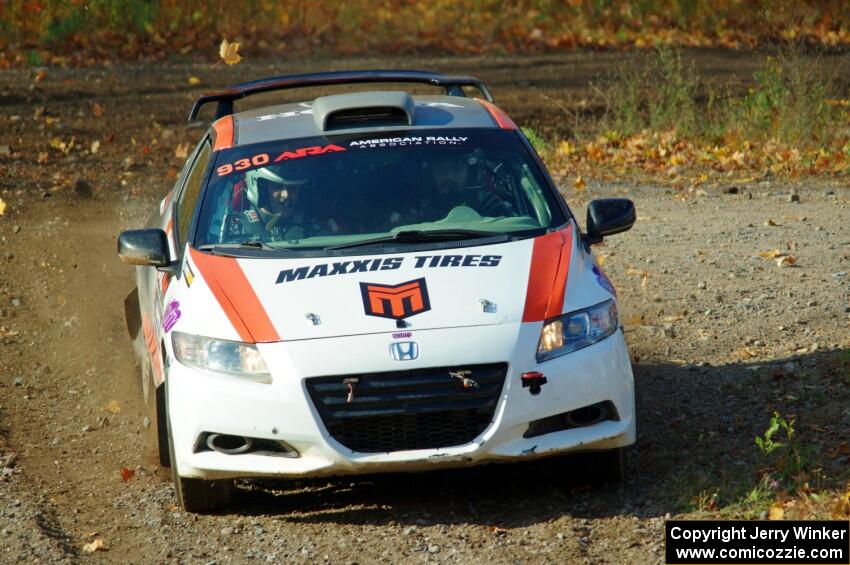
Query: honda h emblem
<point x="404" y="350"/>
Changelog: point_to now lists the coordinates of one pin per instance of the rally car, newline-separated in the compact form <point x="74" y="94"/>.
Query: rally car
<point x="369" y="282"/>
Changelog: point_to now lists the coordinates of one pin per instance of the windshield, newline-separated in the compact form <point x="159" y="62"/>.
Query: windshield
<point x="344" y="191"/>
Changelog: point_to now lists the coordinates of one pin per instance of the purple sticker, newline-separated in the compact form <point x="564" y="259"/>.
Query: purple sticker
<point x="402" y="335"/>
<point x="171" y="315"/>
<point x="603" y="280"/>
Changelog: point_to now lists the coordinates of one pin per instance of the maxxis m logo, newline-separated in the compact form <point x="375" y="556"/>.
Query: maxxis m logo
<point x="395" y="302"/>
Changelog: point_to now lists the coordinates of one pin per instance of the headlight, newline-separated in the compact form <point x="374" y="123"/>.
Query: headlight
<point x="576" y="330"/>
<point x="220" y="356"/>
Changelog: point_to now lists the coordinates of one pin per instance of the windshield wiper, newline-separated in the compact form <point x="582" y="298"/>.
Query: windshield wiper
<point x="241" y="245"/>
<point x="418" y="236"/>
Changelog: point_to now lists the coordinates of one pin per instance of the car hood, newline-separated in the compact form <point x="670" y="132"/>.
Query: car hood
<point x="268" y="300"/>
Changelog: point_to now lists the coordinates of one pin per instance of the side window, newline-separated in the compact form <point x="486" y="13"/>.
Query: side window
<point x="534" y="193"/>
<point x="189" y="197"/>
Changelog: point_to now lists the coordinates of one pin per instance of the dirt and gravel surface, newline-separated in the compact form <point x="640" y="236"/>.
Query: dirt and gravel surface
<point x="720" y="337"/>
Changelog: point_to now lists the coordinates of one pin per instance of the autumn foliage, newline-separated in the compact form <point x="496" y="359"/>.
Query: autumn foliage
<point x="73" y="31"/>
<point x="659" y="120"/>
<point x="662" y="123"/>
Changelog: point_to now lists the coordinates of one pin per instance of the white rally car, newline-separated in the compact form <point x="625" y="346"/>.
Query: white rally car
<point x="370" y="282"/>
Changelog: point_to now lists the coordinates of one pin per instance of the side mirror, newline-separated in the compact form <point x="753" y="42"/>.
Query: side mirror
<point x="608" y="216"/>
<point x="148" y="247"/>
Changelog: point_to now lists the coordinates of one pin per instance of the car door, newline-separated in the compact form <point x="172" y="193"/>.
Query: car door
<point x="155" y="288"/>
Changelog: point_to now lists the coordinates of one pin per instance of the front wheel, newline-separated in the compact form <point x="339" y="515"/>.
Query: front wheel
<point x="154" y="398"/>
<point x="197" y="495"/>
<point x="611" y="466"/>
<point x="593" y="468"/>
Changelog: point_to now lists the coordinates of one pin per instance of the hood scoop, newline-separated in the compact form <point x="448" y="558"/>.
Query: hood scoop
<point x="345" y="111"/>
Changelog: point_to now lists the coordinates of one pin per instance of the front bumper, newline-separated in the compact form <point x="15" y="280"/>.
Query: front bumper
<point x="202" y="403"/>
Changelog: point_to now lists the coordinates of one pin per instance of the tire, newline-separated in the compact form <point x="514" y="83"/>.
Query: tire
<point x="132" y="313"/>
<point x="197" y="495"/>
<point x="610" y="467"/>
<point x="157" y="432"/>
<point x="202" y="497"/>
<point x="590" y="468"/>
<point x="161" y="428"/>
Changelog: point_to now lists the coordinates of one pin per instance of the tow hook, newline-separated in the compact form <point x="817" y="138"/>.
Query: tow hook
<point x="350" y="382"/>
<point x="533" y="380"/>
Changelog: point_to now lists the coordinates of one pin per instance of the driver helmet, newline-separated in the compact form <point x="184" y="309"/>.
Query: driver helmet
<point x="455" y="168"/>
<point x="260" y="183"/>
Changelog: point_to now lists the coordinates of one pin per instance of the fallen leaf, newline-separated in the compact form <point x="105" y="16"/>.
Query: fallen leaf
<point x="786" y="261"/>
<point x="95" y="146"/>
<point x="42" y="157"/>
<point x="600" y="260"/>
<point x="636" y="320"/>
<point x="776" y="512"/>
<point x="194" y="81"/>
<point x="64" y="147"/>
<point x="7" y="332"/>
<point x="95" y="545"/>
<point x="182" y="151"/>
<point x="229" y="52"/>
<point x="566" y="148"/>
<point x="127" y="474"/>
<point x="39" y="76"/>
<point x="771" y="223"/>
<point x="2" y="207"/>
<point x="772" y="254"/>
<point x="746" y="353"/>
<point x="97" y="109"/>
<point x="113" y="407"/>
<point x="579" y="184"/>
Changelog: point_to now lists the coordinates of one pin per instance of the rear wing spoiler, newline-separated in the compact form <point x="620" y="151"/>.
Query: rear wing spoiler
<point x="452" y="86"/>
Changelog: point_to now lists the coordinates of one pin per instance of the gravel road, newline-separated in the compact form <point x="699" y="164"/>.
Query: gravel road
<point x="720" y="337"/>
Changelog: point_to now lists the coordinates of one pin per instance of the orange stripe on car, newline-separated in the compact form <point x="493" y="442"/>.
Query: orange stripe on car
<point x="499" y="116"/>
<point x="547" y="277"/>
<point x="559" y="288"/>
<point x="152" y="346"/>
<point x="223" y="128"/>
<point x="234" y="293"/>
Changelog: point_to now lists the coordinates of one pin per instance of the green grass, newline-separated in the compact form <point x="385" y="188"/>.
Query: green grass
<point x="788" y="101"/>
<point x="535" y="139"/>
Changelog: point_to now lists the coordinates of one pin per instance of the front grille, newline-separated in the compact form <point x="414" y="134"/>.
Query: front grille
<point x="418" y="409"/>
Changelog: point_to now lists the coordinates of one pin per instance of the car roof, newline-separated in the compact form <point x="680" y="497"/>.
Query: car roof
<point x="308" y="119"/>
